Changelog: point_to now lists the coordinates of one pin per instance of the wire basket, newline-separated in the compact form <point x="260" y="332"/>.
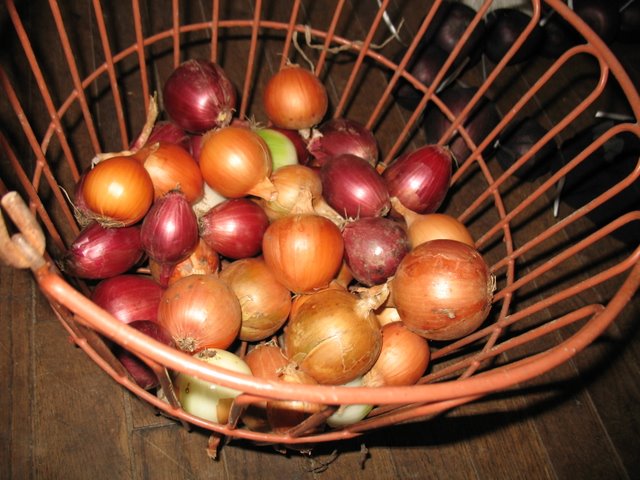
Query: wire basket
<point x="549" y="256"/>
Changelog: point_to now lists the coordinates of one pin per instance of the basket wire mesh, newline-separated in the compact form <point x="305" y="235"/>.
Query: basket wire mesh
<point x="540" y="317"/>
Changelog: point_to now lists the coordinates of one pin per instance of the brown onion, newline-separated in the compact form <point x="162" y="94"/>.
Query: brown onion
<point x="295" y="185"/>
<point x="403" y="359"/>
<point x="295" y="98"/>
<point x="333" y="336"/>
<point x="432" y="226"/>
<point x="235" y="162"/>
<point x="304" y="251"/>
<point x="200" y="311"/>
<point x="265" y="302"/>
<point x="171" y="167"/>
<point x="203" y="261"/>
<point x="443" y="289"/>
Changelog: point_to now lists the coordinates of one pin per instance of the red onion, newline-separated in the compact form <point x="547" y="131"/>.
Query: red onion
<point x="169" y="231"/>
<point x="342" y="135"/>
<point x="141" y="373"/>
<point x="373" y="248"/>
<point x="234" y="228"/>
<point x="99" y="252"/>
<point x="420" y="179"/>
<point x="199" y="96"/>
<point x="195" y="146"/>
<point x="353" y="187"/>
<point x="166" y="131"/>
<point x="129" y="297"/>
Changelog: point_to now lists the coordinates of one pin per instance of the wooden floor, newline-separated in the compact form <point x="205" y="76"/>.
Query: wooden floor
<point x="61" y="417"/>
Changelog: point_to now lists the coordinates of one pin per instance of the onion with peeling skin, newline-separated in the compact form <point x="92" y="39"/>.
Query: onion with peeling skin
<point x="297" y="187"/>
<point x="265" y="302"/>
<point x="203" y="261"/>
<point x="443" y="290"/>
<point x="334" y="336"/>
<point x="342" y="135"/>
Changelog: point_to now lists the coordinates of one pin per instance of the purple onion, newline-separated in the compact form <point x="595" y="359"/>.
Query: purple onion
<point x="353" y="187"/>
<point x="340" y="136"/>
<point x="129" y="297"/>
<point x="420" y="179"/>
<point x="373" y="248"/>
<point x="141" y="373"/>
<point x="234" y="228"/>
<point x="198" y="96"/>
<point x="100" y="252"/>
<point x="169" y="232"/>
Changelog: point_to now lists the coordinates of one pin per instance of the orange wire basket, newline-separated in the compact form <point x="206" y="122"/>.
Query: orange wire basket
<point x="549" y="262"/>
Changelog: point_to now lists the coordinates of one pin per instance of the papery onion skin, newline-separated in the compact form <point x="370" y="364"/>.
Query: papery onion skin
<point x="100" y="252"/>
<point x="295" y="98"/>
<point x="403" y="359"/>
<point x="265" y="303"/>
<point x="295" y="185"/>
<point x="171" y="167"/>
<point x="199" y="96"/>
<point x="443" y="290"/>
<point x="235" y="162"/>
<point x="141" y="373"/>
<point x="235" y="228"/>
<point x="332" y="338"/>
<point x="118" y="191"/>
<point x="200" y="311"/>
<point x="205" y="399"/>
<point x="374" y="247"/>
<point x="129" y="297"/>
<point x="304" y="251"/>
<point x="420" y="178"/>
<point x="343" y="135"/>
<point x="353" y="187"/>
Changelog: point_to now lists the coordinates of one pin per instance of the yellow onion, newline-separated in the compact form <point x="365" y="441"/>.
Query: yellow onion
<point x="403" y="359"/>
<point x="334" y="335"/>
<point x="265" y="302"/>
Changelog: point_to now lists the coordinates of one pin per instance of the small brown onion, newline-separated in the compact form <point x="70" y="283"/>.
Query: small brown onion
<point x="266" y="360"/>
<point x="443" y="289"/>
<point x="432" y="226"/>
<point x="235" y="162"/>
<point x="264" y="301"/>
<point x="171" y="167"/>
<point x="200" y="311"/>
<point x="295" y="98"/>
<point x="203" y="261"/>
<point x="283" y="415"/>
<point x="304" y="251"/>
<point x="403" y="359"/>
<point x="293" y="184"/>
<point x="333" y="336"/>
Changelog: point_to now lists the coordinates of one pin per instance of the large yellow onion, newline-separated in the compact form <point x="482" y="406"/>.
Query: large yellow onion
<point x="443" y="289"/>
<point x="333" y="336"/>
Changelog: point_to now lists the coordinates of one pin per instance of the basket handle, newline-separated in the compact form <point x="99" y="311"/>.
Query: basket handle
<point x="26" y="248"/>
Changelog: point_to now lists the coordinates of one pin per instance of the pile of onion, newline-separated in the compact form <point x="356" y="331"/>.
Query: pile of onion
<point x="285" y="252"/>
